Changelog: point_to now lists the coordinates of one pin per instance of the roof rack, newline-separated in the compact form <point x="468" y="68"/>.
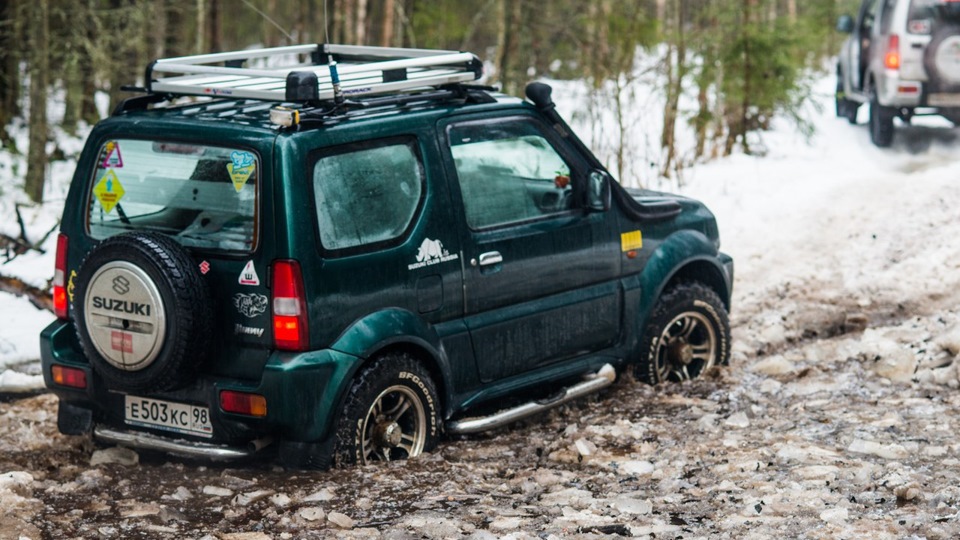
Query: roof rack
<point x="311" y="73"/>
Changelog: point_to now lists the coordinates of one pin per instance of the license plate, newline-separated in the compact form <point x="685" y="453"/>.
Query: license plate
<point x="169" y="416"/>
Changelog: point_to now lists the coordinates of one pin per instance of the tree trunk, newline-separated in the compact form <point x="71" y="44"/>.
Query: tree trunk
<point x="9" y="69"/>
<point x="173" y="41"/>
<point x="676" y="71"/>
<point x="361" y="30"/>
<point x="39" y="80"/>
<point x="200" y="45"/>
<point x="214" y="32"/>
<point x="389" y="20"/>
<point x="347" y="23"/>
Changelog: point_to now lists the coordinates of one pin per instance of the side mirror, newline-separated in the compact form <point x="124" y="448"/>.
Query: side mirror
<point x="845" y="24"/>
<point x="598" y="191"/>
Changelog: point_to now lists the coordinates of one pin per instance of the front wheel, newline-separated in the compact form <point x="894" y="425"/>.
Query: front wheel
<point x="390" y="413"/>
<point x="688" y="333"/>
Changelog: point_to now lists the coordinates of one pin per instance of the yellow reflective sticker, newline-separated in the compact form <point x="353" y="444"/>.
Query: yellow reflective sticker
<point x="71" y="286"/>
<point x="109" y="191"/>
<point x="631" y="240"/>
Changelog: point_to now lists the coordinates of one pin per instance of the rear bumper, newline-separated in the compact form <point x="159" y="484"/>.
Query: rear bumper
<point x="302" y="390"/>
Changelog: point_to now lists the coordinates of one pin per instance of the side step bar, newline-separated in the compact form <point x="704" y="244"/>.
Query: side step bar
<point x="593" y="383"/>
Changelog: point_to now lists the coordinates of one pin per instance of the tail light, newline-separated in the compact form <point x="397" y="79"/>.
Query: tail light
<point x="289" y="307"/>
<point x="892" y="59"/>
<point x="243" y="403"/>
<point x="60" y="304"/>
<point x="66" y="376"/>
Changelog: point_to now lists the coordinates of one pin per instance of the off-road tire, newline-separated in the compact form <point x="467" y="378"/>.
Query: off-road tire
<point x="185" y="299"/>
<point x="665" y="350"/>
<point x="881" y="122"/>
<point x="396" y="379"/>
<point x="845" y="108"/>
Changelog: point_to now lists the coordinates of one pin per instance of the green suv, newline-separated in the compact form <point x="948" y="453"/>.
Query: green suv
<point x="342" y="258"/>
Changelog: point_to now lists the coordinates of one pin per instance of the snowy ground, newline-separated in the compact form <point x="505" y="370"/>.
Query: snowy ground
<point x="836" y="418"/>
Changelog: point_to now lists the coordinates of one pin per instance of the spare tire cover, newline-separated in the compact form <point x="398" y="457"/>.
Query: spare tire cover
<point x="142" y="312"/>
<point x="942" y="60"/>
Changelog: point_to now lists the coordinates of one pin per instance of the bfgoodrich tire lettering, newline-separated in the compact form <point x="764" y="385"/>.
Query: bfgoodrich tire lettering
<point x="391" y="412"/>
<point x="177" y="296"/>
<point x="688" y="332"/>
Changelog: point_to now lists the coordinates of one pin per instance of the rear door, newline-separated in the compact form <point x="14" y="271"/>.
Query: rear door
<point x="209" y="197"/>
<point x="539" y="270"/>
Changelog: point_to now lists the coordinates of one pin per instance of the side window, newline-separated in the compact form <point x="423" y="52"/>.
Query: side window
<point x="367" y="194"/>
<point x="508" y="172"/>
<point x="887" y="16"/>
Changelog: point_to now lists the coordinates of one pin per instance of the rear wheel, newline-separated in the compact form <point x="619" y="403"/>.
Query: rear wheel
<point x="881" y="122"/>
<point x="845" y="108"/>
<point x="688" y="333"/>
<point x="390" y="413"/>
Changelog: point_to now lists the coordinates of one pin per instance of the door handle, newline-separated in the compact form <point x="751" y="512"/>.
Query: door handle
<point x="490" y="258"/>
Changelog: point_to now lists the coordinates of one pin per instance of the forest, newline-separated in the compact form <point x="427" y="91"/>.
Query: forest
<point x="743" y="61"/>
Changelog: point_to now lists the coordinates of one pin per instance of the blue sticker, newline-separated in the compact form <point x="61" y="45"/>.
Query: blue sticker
<point x="241" y="160"/>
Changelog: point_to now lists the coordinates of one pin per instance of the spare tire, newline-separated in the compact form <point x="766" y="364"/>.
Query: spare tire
<point x="142" y="312"/>
<point x="942" y="60"/>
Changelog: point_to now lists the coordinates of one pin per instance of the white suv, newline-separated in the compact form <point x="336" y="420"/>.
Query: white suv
<point x="903" y="59"/>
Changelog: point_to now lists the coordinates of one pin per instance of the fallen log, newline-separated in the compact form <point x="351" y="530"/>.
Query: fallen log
<point x="41" y="298"/>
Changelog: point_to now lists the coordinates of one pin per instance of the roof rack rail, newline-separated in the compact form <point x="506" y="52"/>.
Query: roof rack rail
<point x="311" y="73"/>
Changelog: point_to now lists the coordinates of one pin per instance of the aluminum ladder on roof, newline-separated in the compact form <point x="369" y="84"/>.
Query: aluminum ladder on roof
<point x="362" y="71"/>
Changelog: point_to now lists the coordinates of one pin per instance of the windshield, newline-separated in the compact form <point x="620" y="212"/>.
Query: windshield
<point x="203" y="196"/>
<point x="927" y="16"/>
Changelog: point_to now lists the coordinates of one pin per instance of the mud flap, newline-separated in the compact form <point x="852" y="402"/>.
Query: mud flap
<point x="74" y="420"/>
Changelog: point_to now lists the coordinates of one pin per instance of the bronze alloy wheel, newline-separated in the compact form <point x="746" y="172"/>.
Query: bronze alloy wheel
<point x="395" y="426"/>
<point x="687" y="347"/>
<point x="688" y="333"/>
<point x="390" y="413"/>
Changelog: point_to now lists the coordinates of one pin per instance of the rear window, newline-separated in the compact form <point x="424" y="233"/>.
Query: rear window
<point x="927" y="16"/>
<point x="202" y="196"/>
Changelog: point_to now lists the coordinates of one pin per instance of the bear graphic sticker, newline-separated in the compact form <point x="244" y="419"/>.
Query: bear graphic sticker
<point x="431" y="252"/>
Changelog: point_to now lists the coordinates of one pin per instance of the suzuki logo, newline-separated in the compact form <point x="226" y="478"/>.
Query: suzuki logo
<point x="121" y="285"/>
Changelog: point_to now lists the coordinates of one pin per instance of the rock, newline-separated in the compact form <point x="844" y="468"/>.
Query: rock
<point x="855" y="322"/>
<point x="890" y="451"/>
<point x="312" y="513"/>
<point x="585" y="448"/>
<point x="217" y="491"/>
<point x="323" y="495"/>
<point x="908" y="492"/>
<point x="17" y="482"/>
<point x="140" y="510"/>
<point x="738" y="420"/>
<point x="340" y="520"/>
<point x="773" y="365"/>
<point x="245" y="499"/>
<point x="835" y="515"/>
<point x="117" y="454"/>
<point x="636" y="467"/>
<point x="628" y="505"/>
<point x="280" y="500"/>
<point x="181" y="494"/>
<point x="246" y="536"/>
<point x="568" y="497"/>
<point x="506" y="524"/>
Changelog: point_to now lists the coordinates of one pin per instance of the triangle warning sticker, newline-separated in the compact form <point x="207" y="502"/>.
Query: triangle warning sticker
<point x="112" y="159"/>
<point x="248" y="276"/>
